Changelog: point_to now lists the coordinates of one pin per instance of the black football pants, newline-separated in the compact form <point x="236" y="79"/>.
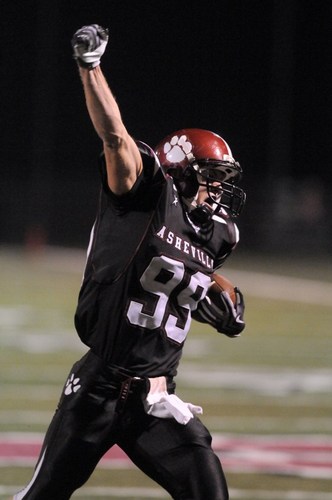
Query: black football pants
<point x="89" y="420"/>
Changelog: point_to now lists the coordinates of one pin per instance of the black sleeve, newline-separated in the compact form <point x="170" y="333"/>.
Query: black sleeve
<point x="146" y="185"/>
<point x="151" y="172"/>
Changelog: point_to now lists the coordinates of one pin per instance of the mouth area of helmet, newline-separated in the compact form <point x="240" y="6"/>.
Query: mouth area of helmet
<point x="210" y="197"/>
<point x="210" y="190"/>
<point x="215" y="190"/>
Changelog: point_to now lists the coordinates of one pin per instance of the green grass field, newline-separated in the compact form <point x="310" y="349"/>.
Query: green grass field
<point x="275" y="380"/>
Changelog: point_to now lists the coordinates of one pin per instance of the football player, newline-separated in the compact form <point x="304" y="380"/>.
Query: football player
<point x="163" y="226"/>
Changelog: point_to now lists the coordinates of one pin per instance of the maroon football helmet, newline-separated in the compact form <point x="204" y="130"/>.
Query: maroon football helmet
<point x="195" y="157"/>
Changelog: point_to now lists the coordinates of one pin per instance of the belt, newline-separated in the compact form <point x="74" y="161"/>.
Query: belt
<point x="126" y="384"/>
<point x="130" y="386"/>
<point x="122" y="382"/>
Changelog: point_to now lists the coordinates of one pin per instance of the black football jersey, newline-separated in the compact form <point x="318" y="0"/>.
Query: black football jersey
<point x="148" y="266"/>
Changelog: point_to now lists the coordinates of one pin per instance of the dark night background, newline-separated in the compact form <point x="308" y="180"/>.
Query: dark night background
<point x="254" y="71"/>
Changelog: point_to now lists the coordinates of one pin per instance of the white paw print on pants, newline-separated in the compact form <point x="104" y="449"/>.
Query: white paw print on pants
<point x="72" y="385"/>
<point x="177" y="149"/>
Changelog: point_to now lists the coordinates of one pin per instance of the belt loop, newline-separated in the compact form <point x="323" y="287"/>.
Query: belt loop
<point x="124" y="392"/>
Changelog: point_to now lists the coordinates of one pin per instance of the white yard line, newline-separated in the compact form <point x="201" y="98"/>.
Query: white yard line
<point x="253" y="380"/>
<point x="286" y="288"/>
<point x="254" y="283"/>
<point x="264" y="380"/>
<point x="258" y="284"/>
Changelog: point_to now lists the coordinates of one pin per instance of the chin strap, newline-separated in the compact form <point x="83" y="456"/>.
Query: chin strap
<point x="201" y="215"/>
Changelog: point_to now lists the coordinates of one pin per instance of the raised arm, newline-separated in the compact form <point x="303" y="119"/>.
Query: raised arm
<point x="123" y="160"/>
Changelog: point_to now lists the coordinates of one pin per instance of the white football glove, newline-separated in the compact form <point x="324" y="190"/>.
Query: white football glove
<point x="171" y="406"/>
<point x="89" y="44"/>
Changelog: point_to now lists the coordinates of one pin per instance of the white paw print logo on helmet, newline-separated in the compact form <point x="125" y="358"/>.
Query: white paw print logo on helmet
<point x="72" y="385"/>
<point x="177" y="149"/>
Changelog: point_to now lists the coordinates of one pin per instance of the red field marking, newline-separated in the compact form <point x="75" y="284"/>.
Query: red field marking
<point x="309" y="456"/>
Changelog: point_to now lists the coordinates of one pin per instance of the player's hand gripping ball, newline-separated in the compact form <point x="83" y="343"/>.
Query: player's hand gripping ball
<point x="222" y="307"/>
<point x="221" y="284"/>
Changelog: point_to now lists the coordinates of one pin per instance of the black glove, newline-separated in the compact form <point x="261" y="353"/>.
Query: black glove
<point x="225" y="316"/>
<point x="89" y="44"/>
<point x="232" y="322"/>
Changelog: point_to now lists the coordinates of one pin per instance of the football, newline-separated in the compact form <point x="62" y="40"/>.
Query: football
<point x="221" y="284"/>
